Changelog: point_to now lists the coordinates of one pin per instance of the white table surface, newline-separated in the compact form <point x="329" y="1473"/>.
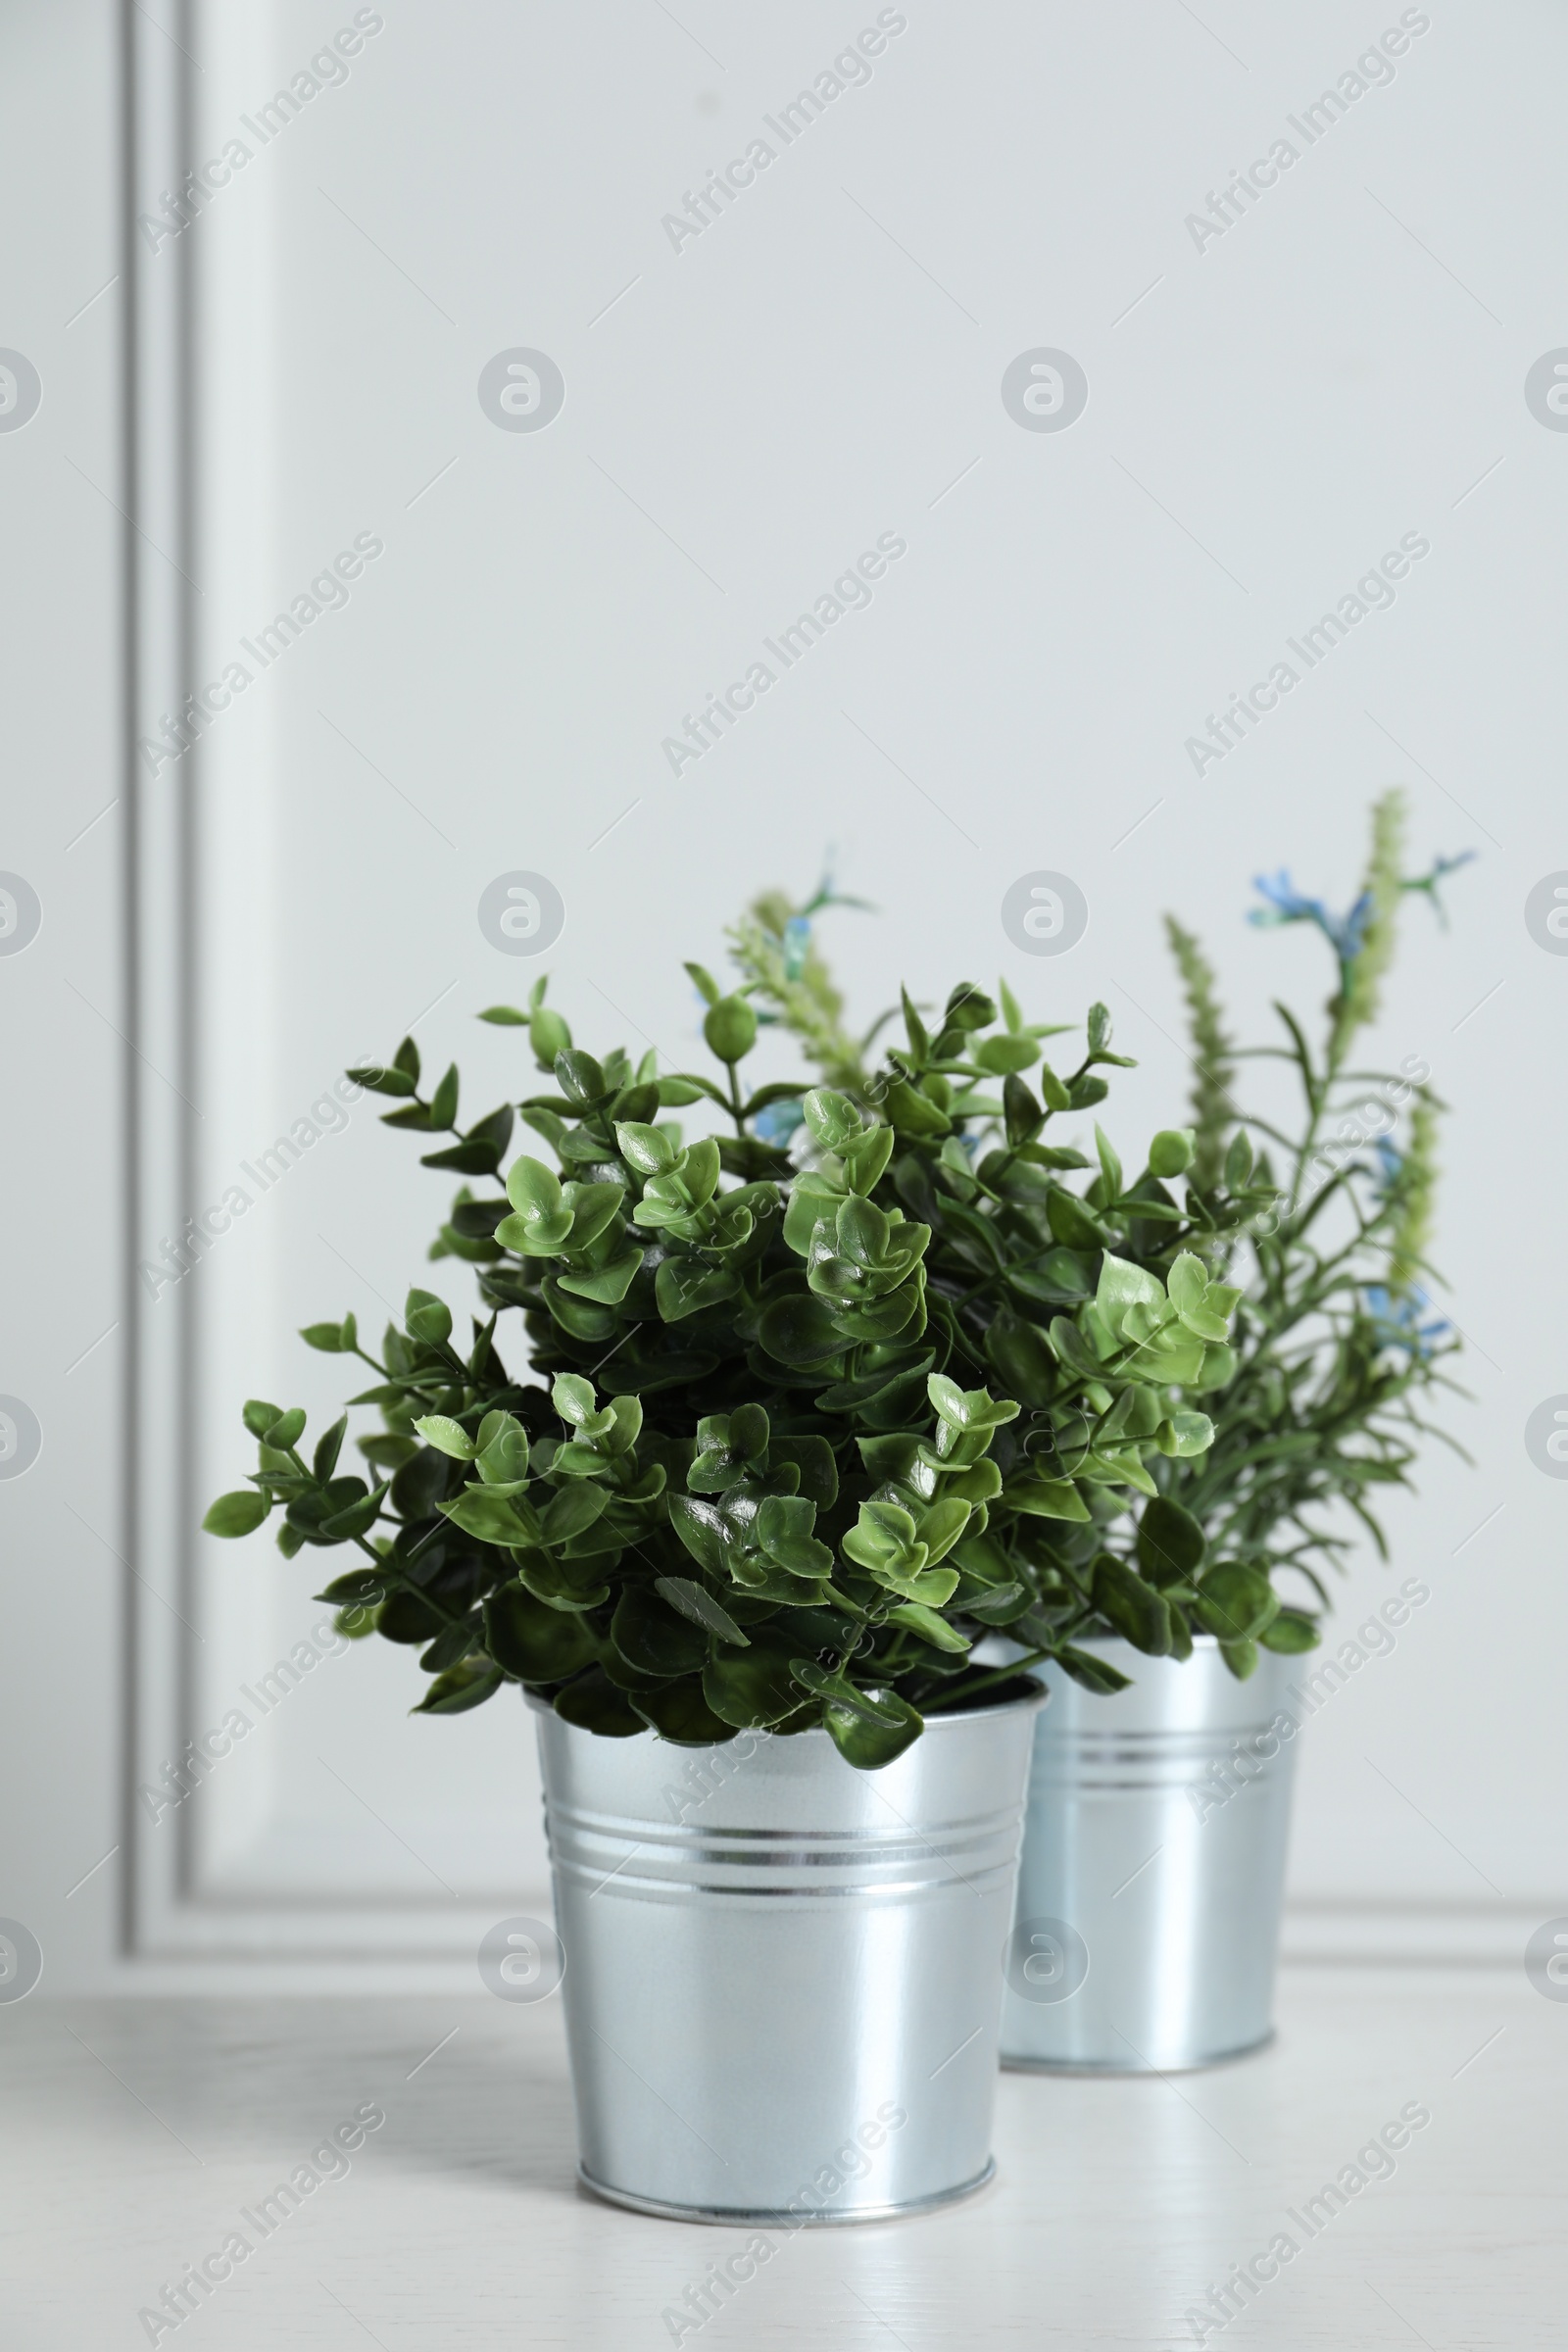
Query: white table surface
<point x="135" y="2129"/>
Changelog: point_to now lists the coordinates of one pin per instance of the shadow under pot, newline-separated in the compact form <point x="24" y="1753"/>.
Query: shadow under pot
<point x="1147" y="1918"/>
<point x="783" y="1976"/>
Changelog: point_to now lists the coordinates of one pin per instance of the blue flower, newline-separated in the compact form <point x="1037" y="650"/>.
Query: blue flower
<point x="797" y="946"/>
<point x="1286" y="901"/>
<point x="1440" y="868"/>
<point x="1398" y="1320"/>
<point x="1346" y="934"/>
<point x="776" y="1122"/>
<point x="1351" y="935"/>
<point x="1389" y="1162"/>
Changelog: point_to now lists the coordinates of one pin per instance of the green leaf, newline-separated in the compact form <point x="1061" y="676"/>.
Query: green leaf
<point x="675" y="1092"/>
<point x="1237" y="1161"/>
<point x="358" y="1585"/>
<point x="749" y="1689"/>
<point x="260" y="1417"/>
<point x="548" y="1035"/>
<point x="1171" y="1151"/>
<point x="833" y="1119"/>
<point x="1240" y="1656"/>
<point x="1100" y="1040"/>
<point x="968" y="1008"/>
<point x="1004" y="1056"/>
<point x="610" y="1284"/>
<point x="1024" y="1361"/>
<point x="533" y="1190"/>
<point x="1188" y="1283"/>
<point x="580" y="1078"/>
<point x="404" y="1617"/>
<point x="237" y="1514"/>
<point x="1123" y="1286"/>
<point x="593" y="1208"/>
<point x="427" y="1317"/>
<point x="382" y="1081"/>
<point x="866" y="1158"/>
<point x="1094" y="1674"/>
<point x="680" y="1714"/>
<point x="458" y="1689"/>
<point x="536" y="1643"/>
<point x="477" y="1158"/>
<point x="1047" y="1498"/>
<point x="501" y="1461"/>
<point x="574" y="1398"/>
<point x="701" y="1529"/>
<point x="730" y="1029"/>
<point x="942" y="1525"/>
<point x="444" y="1102"/>
<point x="696" y="1603"/>
<point x="451" y="1645"/>
<point x="814" y="1460"/>
<point x="1291" y="1632"/>
<point x="871" y="1746"/>
<point x="1234" y="1601"/>
<point x="701" y="1173"/>
<point x="655" y="1636"/>
<point x="1170" y="1540"/>
<point x="327" y="1337"/>
<point x="1053" y="1093"/>
<point x="572" y="1510"/>
<point x="327" y="1449"/>
<point x="684" y="1285"/>
<point x="1181" y="1434"/>
<point x="915" y="1618"/>
<point x="447" y="1437"/>
<point x="647" y="1149"/>
<point x="798" y="1329"/>
<point x="707" y="985"/>
<point x="505" y="1016"/>
<point x="999" y="1605"/>
<point x="418" y="1483"/>
<point x="916" y="1031"/>
<point x="1134" y="1609"/>
<point x="1072" y="1348"/>
<point x="490" y="1518"/>
<point x="593" y="1702"/>
<point x="1071" y="1223"/>
<point x="913" y="1112"/>
<point x="286" y="1431"/>
<point x="1021" y="1112"/>
<point x="353" y="1520"/>
<point x="1109" y="1164"/>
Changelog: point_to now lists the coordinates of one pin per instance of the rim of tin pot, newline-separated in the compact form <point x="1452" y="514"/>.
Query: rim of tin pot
<point x="1200" y="1640"/>
<point x="1037" y="1695"/>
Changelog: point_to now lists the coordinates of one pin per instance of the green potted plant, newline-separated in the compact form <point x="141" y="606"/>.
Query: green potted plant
<point x="786" y="1456"/>
<point x="1148" y="1899"/>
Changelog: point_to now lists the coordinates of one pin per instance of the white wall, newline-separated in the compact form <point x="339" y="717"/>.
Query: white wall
<point x="820" y="365"/>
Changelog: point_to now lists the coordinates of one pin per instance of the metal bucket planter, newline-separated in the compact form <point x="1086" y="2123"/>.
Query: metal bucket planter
<point x="1153" y="1863"/>
<point x="782" y="1986"/>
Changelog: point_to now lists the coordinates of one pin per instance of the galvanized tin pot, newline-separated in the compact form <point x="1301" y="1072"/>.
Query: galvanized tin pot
<point x="1153" y="1869"/>
<point x="783" y="1981"/>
